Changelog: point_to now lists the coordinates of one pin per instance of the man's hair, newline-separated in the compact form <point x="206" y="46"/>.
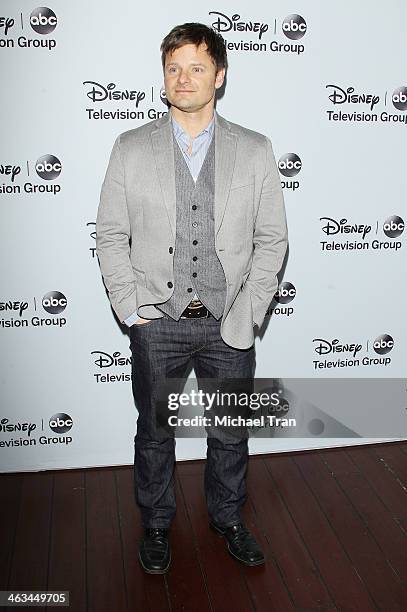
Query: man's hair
<point x="196" y="34"/>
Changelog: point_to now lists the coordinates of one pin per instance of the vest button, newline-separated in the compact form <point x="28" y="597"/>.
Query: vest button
<point x="194" y="207"/>
<point x="170" y="250"/>
<point x="195" y="258"/>
<point x="195" y="224"/>
<point x="169" y="284"/>
<point x="195" y="242"/>
<point x="189" y="289"/>
<point x="194" y="274"/>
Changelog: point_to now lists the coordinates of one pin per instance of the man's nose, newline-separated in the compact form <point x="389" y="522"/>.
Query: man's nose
<point x="183" y="76"/>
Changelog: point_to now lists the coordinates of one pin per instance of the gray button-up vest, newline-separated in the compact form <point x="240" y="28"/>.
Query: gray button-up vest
<point x="196" y="264"/>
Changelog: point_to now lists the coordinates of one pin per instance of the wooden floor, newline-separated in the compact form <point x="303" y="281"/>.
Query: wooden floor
<point x="332" y="523"/>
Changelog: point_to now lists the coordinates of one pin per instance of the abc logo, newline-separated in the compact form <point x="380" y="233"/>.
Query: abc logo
<point x="54" y="302"/>
<point x="399" y="98"/>
<point x="60" y="423"/>
<point x="48" y="167"/>
<point x="383" y="344"/>
<point x="285" y="293"/>
<point x="43" y="20"/>
<point x="393" y="226"/>
<point x="163" y="96"/>
<point x="289" y="164"/>
<point x="294" y="27"/>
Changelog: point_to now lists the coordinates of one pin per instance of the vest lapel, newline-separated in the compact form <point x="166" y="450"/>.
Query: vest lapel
<point x="225" y="154"/>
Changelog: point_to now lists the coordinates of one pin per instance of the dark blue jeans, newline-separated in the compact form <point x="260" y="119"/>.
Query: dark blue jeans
<point x="162" y="349"/>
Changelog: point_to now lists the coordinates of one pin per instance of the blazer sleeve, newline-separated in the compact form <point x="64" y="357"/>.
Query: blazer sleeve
<point x="269" y="239"/>
<point x="112" y="238"/>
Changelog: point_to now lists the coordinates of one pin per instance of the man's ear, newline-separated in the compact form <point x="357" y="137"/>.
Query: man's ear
<point x="220" y="77"/>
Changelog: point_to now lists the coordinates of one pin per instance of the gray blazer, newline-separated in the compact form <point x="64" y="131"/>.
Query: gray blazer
<point x="135" y="225"/>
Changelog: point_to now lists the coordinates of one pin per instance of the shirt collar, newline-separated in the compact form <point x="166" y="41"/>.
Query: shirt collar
<point x="179" y="131"/>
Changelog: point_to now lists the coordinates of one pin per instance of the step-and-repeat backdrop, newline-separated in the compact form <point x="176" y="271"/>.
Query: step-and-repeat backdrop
<point x="328" y="84"/>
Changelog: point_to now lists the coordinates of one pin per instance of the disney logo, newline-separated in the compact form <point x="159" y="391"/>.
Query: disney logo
<point x="340" y="96"/>
<point x="104" y="360"/>
<point x="92" y="234"/>
<point x="99" y="93"/>
<point x="20" y="306"/>
<point x="6" y="426"/>
<point x="225" y="24"/>
<point x="10" y="170"/>
<point x="6" y="23"/>
<point x="324" y="347"/>
<point x="340" y="227"/>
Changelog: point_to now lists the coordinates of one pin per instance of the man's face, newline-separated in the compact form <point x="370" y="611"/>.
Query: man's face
<point x="190" y="78"/>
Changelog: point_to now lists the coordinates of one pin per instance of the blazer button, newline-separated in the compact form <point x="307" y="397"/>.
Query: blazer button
<point x="170" y="250"/>
<point x="169" y="284"/>
<point x="189" y="289"/>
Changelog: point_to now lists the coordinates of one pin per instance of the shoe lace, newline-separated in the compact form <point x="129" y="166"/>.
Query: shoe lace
<point x="241" y="534"/>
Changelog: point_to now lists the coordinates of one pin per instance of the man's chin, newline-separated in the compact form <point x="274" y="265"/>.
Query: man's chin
<point x="185" y="106"/>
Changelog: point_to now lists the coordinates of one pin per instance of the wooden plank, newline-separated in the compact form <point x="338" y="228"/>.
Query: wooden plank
<point x="364" y="554"/>
<point x="299" y="572"/>
<point x="67" y="556"/>
<point x="29" y="567"/>
<point x="391" y="539"/>
<point x="10" y="501"/>
<point x="402" y="446"/>
<point x="223" y="575"/>
<point x="105" y="572"/>
<point x="394" y="460"/>
<point x="321" y="540"/>
<point x="145" y="592"/>
<point x="387" y="487"/>
<point x="186" y="580"/>
<point x="264" y="583"/>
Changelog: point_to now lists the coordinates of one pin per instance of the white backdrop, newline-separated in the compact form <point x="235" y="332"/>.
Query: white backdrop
<point x="73" y="77"/>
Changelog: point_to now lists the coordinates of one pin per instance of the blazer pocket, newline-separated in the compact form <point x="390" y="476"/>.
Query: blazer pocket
<point x="241" y="185"/>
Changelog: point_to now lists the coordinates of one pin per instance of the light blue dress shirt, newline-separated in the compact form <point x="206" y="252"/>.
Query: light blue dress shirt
<point x="194" y="161"/>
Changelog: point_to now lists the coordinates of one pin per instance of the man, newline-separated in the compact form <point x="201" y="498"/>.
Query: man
<point x="191" y="234"/>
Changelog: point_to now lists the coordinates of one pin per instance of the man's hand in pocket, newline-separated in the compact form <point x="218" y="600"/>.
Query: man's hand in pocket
<point x="141" y="321"/>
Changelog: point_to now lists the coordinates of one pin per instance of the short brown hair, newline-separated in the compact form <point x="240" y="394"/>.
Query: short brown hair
<point x="195" y="34"/>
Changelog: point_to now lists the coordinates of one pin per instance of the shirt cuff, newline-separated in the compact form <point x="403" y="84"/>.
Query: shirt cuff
<point x="131" y="319"/>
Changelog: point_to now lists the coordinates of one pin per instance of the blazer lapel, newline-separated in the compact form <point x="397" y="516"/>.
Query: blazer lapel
<point x="163" y="150"/>
<point x="225" y="156"/>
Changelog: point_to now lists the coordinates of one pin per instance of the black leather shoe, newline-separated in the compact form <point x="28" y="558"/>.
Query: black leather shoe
<point x="154" y="552"/>
<point x="241" y="543"/>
